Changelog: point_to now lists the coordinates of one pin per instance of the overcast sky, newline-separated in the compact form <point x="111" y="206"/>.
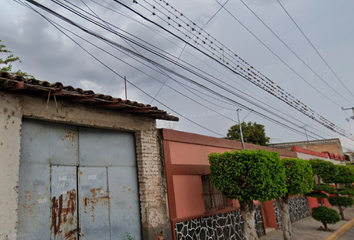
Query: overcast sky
<point x="49" y="55"/>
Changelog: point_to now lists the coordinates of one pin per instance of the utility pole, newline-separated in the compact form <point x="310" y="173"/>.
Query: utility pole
<point x="352" y="117"/>
<point x="239" y="124"/>
<point x="304" y="127"/>
<point x="125" y="86"/>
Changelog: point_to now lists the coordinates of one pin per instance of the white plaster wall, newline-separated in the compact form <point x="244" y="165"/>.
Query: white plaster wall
<point x="10" y="136"/>
<point x="309" y="157"/>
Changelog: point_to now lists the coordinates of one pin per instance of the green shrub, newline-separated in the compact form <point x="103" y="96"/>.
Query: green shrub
<point x="316" y="195"/>
<point x="248" y="175"/>
<point x="341" y="201"/>
<point x="325" y="216"/>
<point x="326" y="188"/>
<point x="299" y="176"/>
<point x="322" y="168"/>
<point x="344" y="175"/>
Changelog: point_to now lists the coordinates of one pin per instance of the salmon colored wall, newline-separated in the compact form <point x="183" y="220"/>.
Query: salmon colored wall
<point x="269" y="215"/>
<point x="192" y="154"/>
<point x="190" y="199"/>
<point x="313" y="202"/>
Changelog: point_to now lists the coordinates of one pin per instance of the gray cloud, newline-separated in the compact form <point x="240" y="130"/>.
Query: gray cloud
<point x="49" y="55"/>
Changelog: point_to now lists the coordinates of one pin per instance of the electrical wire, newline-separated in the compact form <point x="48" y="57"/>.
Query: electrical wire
<point x="291" y="50"/>
<point x="313" y="46"/>
<point x="92" y="34"/>
<point x="300" y="106"/>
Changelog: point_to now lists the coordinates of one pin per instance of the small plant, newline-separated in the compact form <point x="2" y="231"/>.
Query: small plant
<point x="128" y="236"/>
<point x="325" y="216"/>
<point x="341" y="202"/>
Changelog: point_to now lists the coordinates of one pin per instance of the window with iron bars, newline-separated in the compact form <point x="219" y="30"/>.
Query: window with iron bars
<point x="213" y="198"/>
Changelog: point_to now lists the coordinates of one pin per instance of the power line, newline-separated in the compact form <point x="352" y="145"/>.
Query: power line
<point x="294" y="102"/>
<point x="287" y="46"/>
<point x="260" y="93"/>
<point x="185" y="45"/>
<point x="96" y="35"/>
<point x="313" y="46"/>
<point x="123" y="77"/>
<point x="130" y="82"/>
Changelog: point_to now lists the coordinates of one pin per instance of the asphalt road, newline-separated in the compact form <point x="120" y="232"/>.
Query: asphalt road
<point x="348" y="236"/>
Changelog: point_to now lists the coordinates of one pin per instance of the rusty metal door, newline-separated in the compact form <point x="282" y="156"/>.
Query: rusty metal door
<point x="77" y="183"/>
<point x="45" y="198"/>
<point x="108" y="185"/>
<point x="64" y="203"/>
<point x="94" y="203"/>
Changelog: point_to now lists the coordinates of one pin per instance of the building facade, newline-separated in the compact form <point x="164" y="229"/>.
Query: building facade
<point x="197" y="210"/>
<point x="75" y="164"/>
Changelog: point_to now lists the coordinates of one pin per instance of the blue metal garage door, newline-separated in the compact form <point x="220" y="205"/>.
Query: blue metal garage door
<point x="77" y="183"/>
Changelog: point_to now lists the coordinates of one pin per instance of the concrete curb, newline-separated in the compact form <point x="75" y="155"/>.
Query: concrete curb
<point x="340" y="231"/>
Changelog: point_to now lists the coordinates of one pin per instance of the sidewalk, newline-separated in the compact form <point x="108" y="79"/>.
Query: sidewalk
<point x="306" y="229"/>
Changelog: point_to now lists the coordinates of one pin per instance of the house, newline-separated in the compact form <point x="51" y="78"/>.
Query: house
<point x="75" y="163"/>
<point x="196" y="209"/>
<point x="331" y="148"/>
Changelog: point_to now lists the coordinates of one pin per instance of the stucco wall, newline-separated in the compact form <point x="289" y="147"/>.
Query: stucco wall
<point x="189" y="189"/>
<point x="15" y="106"/>
<point x="10" y="127"/>
<point x="308" y="157"/>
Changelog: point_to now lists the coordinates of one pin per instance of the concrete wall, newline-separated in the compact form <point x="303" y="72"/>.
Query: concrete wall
<point x="309" y="156"/>
<point x="151" y="180"/>
<point x="10" y="127"/>
<point x="189" y="189"/>
<point x="186" y="159"/>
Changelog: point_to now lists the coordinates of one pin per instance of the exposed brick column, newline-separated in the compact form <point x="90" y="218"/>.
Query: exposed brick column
<point x="152" y="185"/>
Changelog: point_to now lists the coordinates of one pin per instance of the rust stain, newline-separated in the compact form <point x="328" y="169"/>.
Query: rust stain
<point x="70" y="136"/>
<point x="99" y="198"/>
<point x="63" y="213"/>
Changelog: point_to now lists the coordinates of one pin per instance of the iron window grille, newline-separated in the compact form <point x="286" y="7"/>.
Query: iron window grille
<point x="213" y="198"/>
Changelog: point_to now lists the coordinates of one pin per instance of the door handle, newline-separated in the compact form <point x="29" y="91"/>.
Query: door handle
<point x="81" y="234"/>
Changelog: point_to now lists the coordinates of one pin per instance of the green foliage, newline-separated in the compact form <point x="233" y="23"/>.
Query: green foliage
<point x="340" y="201"/>
<point x="252" y="133"/>
<point x="326" y="188"/>
<point x="299" y="176"/>
<point x="316" y="195"/>
<point x="346" y="191"/>
<point x="248" y="175"/>
<point x="8" y="61"/>
<point x="325" y="215"/>
<point x="322" y="168"/>
<point x="128" y="236"/>
<point x="344" y="175"/>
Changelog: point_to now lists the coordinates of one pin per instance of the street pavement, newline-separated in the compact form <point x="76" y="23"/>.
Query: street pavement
<point x="348" y="236"/>
<point x="306" y="229"/>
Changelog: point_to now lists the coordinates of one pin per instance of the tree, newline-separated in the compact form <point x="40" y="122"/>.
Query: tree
<point x="322" y="169"/>
<point x="299" y="180"/>
<point x="8" y="62"/>
<point x="252" y="133"/>
<point x="345" y="175"/>
<point x="325" y="216"/>
<point x="248" y="175"/>
<point x="341" y="176"/>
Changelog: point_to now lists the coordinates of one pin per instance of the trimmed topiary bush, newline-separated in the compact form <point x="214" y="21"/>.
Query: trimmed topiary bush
<point x="299" y="180"/>
<point x="323" y="169"/>
<point x="325" y="216"/>
<point x="248" y="175"/>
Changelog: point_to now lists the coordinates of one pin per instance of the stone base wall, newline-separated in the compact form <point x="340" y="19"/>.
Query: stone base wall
<point x="222" y="226"/>
<point x="298" y="209"/>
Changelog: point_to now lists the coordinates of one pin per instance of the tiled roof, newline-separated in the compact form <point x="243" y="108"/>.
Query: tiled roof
<point x="86" y="97"/>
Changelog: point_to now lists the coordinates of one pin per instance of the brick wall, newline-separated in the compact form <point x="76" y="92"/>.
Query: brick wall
<point x="152" y="185"/>
<point x="332" y="148"/>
